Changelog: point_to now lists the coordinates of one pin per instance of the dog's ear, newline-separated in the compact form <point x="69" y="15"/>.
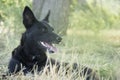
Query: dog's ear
<point x="47" y="17"/>
<point x="28" y="17"/>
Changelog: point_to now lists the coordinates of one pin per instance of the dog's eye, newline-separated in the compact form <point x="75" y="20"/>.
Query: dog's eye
<point x="44" y="30"/>
<point x="52" y="29"/>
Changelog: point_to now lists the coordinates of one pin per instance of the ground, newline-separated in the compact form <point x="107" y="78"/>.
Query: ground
<point x="98" y="51"/>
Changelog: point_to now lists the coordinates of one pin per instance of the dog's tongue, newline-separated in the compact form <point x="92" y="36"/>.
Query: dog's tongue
<point x="50" y="47"/>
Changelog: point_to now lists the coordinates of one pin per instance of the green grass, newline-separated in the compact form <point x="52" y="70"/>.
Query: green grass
<point x="93" y="51"/>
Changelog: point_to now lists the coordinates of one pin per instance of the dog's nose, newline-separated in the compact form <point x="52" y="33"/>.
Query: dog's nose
<point x="59" y="39"/>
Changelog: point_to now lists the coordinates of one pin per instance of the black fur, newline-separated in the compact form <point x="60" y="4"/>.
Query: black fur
<point x="34" y="44"/>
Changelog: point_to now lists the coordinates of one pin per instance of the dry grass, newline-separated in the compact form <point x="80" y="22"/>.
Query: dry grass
<point x="99" y="52"/>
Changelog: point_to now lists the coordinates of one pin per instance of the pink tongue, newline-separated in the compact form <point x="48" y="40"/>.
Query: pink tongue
<point x="51" y="47"/>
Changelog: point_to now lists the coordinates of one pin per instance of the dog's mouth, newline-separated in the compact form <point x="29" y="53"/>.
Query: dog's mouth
<point x="50" y="47"/>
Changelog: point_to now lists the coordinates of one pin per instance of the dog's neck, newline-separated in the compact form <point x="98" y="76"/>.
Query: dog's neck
<point x="28" y="52"/>
<point x="29" y="57"/>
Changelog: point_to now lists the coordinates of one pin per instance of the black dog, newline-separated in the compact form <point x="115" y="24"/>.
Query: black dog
<point x="36" y="40"/>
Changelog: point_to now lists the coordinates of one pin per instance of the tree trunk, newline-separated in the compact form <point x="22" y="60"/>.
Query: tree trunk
<point x="82" y="2"/>
<point x="60" y="10"/>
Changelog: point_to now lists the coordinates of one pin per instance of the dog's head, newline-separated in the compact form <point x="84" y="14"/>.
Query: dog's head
<point x="39" y="35"/>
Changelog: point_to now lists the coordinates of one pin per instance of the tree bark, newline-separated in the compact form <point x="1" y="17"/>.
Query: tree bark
<point x="60" y="10"/>
<point x="82" y="2"/>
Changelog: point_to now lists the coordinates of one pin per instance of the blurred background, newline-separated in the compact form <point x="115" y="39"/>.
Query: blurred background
<point x="90" y="31"/>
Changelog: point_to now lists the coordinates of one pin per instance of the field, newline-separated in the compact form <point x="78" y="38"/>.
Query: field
<point x="100" y="52"/>
<point x="92" y="39"/>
